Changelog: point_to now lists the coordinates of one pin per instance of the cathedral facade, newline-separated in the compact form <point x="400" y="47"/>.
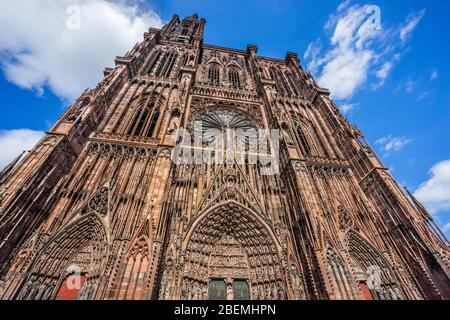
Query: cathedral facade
<point x="150" y="187"/>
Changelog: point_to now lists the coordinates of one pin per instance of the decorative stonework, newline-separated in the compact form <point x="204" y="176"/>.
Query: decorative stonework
<point x="225" y="243"/>
<point x="101" y="194"/>
<point x="120" y="150"/>
<point x="200" y="105"/>
<point x="345" y="220"/>
<point x="125" y="138"/>
<point x="99" y="203"/>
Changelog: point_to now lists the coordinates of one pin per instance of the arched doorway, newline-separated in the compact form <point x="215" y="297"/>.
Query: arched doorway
<point x="231" y="253"/>
<point x="70" y="264"/>
<point x="373" y="272"/>
<point x="71" y="287"/>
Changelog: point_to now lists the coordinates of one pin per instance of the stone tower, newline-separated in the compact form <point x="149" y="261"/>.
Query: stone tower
<point x="109" y="206"/>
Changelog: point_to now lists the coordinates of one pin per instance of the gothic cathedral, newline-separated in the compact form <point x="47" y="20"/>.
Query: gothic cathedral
<point x="103" y="207"/>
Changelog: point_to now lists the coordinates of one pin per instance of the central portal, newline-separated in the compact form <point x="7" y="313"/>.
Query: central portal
<point x="231" y="254"/>
<point x="228" y="260"/>
<point x="235" y="289"/>
<point x="228" y="271"/>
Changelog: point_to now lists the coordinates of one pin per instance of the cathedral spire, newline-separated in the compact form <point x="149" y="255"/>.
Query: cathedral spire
<point x="184" y="30"/>
<point x="117" y="188"/>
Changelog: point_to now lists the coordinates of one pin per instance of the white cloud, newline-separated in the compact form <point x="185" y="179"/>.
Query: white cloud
<point x="422" y="96"/>
<point x="383" y="73"/>
<point x="435" y="193"/>
<point x="357" y="50"/>
<point x="345" y="73"/>
<point x="410" y="85"/>
<point x="13" y="142"/>
<point x="434" y="75"/>
<point x="446" y="227"/>
<point x="39" y="49"/>
<point x="411" y="24"/>
<point x="343" y="5"/>
<point x="390" y="144"/>
<point x="312" y="54"/>
<point x="345" y="108"/>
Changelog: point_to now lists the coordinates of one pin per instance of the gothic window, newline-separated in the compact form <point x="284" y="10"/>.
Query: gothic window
<point x="234" y="78"/>
<point x="292" y="83"/>
<point x="280" y="81"/>
<point x="361" y="141"/>
<point x="144" y="121"/>
<point x="166" y="64"/>
<point x="329" y="117"/>
<point x="139" y="122"/>
<point x="167" y="68"/>
<point x="303" y="142"/>
<point x="320" y="142"/>
<point x="153" y="60"/>
<point x="273" y="76"/>
<point x="161" y="65"/>
<point x="214" y="75"/>
<point x="153" y="123"/>
<point x="215" y="124"/>
<point x="184" y="30"/>
<point x="286" y="89"/>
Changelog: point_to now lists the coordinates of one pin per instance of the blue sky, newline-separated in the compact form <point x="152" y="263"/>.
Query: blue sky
<point x="396" y="87"/>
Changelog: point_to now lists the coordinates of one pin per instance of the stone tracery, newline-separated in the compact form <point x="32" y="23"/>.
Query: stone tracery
<point x="373" y="267"/>
<point x="101" y="192"/>
<point x="87" y="241"/>
<point x="251" y="254"/>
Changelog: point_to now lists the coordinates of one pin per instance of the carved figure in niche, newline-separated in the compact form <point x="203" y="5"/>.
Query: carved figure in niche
<point x="286" y="135"/>
<point x="73" y="116"/>
<point x="174" y="122"/>
<point x="281" y="295"/>
<point x="184" y="290"/>
<point x="268" y="292"/>
<point x="230" y="293"/>
<point x="195" y="292"/>
<point x="191" y="61"/>
<point x="183" y="87"/>
<point x="275" y="292"/>
<point x="168" y="288"/>
<point x="204" y="292"/>
<point x="345" y="220"/>
<point x="296" y="281"/>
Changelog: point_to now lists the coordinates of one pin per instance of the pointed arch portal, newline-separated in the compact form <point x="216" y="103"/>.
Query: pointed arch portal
<point x="70" y="264"/>
<point x="375" y="275"/>
<point x="231" y="253"/>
